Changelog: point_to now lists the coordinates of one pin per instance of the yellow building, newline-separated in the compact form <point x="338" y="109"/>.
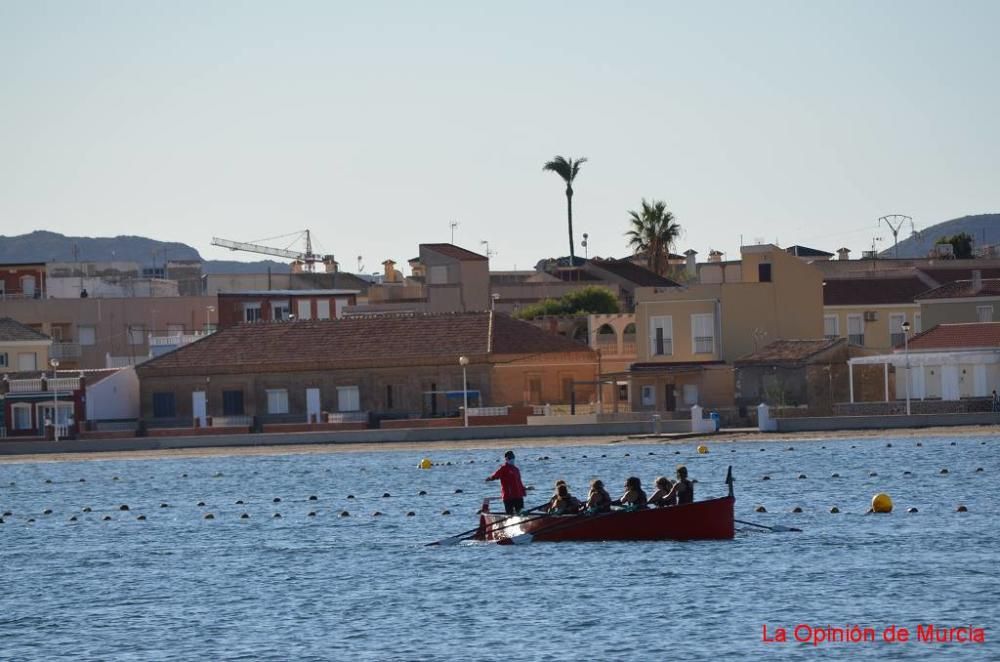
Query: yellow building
<point x="22" y="349"/>
<point x="687" y="337"/>
<point x="870" y="312"/>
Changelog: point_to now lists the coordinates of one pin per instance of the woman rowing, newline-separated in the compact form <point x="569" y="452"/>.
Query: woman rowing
<point x="634" y="498"/>
<point x="564" y="503"/>
<point x="683" y="490"/>
<point x="661" y="497"/>
<point x="598" y="501"/>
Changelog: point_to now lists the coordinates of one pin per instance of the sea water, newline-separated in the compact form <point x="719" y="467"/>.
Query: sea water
<point x="178" y="586"/>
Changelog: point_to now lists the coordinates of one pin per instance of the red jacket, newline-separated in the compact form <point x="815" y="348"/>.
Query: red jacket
<point x="511" y="486"/>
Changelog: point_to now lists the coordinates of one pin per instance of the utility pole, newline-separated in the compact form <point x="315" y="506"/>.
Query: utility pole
<point x="454" y="224"/>
<point x="895" y="223"/>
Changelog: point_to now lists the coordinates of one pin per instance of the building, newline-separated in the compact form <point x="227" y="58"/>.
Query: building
<point x="22" y="348"/>
<point x="213" y="284"/>
<point x="794" y="373"/>
<point x="379" y="366"/>
<point x="25" y="280"/>
<point x="449" y="279"/>
<point x="973" y="300"/>
<point x="870" y="312"/>
<point x="107" y="280"/>
<point x="282" y="305"/>
<point x="688" y="337"/>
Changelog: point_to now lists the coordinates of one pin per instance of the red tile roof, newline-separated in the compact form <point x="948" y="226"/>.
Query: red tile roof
<point x="961" y="289"/>
<point x="634" y="273"/>
<point x="359" y="342"/>
<point x="451" y="250"/>
<point x="958" y="336"/>
<point x="871" y="291"/>
<point x="789" y="351"/>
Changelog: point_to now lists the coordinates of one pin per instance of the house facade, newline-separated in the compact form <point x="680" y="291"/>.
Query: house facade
<point x="962" y="301"/>
<point x="22" y="348"/>
<point x="25" y="280"/>
<point x="870" y="312"/>
<point x="282" y="305"/>
<point x="382" y="366"/>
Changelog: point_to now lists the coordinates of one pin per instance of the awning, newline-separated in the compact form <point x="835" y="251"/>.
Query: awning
<point x="899" y="359"/>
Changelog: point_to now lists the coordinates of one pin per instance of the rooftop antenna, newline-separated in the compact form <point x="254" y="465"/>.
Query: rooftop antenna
<point x="361" y="266"/>
<point x="895" y="223"/>
<point x="489" y="253"/>
<point x="454" y="224"/>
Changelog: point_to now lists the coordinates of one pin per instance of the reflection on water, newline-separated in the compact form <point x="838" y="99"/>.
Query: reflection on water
<point x="315" y="584"/>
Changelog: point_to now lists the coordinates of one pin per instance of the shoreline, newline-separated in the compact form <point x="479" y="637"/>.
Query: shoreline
<point x="428" y="447"/>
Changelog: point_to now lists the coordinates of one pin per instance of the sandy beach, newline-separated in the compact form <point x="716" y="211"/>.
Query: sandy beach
<point x="431" y="447"/>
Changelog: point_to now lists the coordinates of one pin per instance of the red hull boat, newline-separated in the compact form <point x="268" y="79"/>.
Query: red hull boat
<point x="712" y="519"/>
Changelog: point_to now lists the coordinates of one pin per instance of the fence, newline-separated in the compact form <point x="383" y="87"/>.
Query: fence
<point x="348" y="417"/>
<point x="488" y="411"/>
<point x="231" y="421"/>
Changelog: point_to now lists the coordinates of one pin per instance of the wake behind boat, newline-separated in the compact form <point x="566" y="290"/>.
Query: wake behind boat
<point x="711" y="519"/>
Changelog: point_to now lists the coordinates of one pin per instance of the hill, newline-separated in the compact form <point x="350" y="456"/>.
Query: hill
<point x="984" y="229"/>
<point x="44" y="246"/>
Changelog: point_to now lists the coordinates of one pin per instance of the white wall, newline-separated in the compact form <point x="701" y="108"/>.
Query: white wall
<point x="114" y="397"/>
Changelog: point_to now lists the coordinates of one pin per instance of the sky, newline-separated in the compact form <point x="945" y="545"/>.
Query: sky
<point x="378" y="124"/>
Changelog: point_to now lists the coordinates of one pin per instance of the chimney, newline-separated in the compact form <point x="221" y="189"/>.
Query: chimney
<point x="691" y="262"/>
<point x="329" y="264"/>
<point x="977" y="281"/>
<point x="843" y="253"/>
<point x="715" y="256"/>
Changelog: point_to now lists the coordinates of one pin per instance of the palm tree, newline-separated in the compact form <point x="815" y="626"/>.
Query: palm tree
<point x="654" y="232"/>
<point x="568" y="170"/>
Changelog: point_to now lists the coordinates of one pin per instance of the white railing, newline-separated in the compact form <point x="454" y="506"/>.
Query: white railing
<point x="488" y="411"/>
<point x="64" y="384"/>
<point x="62" y="430"/>
<point x="348" y="417"/>
<point x="25" y="385"/>
<point x="231" y="421"/>
<point x="65" y="350"/>
<point x="176" y="339"/>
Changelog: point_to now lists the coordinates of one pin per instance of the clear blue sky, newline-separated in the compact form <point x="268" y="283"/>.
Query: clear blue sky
<point x="375" y="124"/>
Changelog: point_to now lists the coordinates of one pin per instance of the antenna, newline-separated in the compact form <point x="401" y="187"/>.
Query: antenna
<point x="895" y="223"/>
<point x="453" y="224"/>
<point x="361" y="266"/>
<point x="489" y="253"/>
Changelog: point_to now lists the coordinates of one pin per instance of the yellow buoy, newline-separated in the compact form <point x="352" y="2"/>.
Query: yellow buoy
<point x="703" y="449"/>
<point x="882" y="503"/>
<point x="425" y="463"/>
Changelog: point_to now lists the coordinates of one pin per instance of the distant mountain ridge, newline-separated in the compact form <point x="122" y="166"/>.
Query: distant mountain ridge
<point x="45" y="246"/>
<point x="983" y="228"/>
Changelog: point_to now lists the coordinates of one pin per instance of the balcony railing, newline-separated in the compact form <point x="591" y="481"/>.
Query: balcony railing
<point x="176" y="339"/>
<point x="65" y="350"/>
<point x="64" y="384"/>
<point x="704" y="344"/>
<point x="25" y="385"/>
<point x="488" y="411"/>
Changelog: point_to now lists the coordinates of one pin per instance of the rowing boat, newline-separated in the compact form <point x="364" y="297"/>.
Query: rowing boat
<point x="711" y="519"/>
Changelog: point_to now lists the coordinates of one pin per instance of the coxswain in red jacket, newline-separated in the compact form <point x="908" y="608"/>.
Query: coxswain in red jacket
<point x="511" y="488"/>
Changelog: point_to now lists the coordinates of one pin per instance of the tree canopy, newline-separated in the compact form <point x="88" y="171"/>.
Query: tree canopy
<point x="588" y="300"/>
<point x="961" y="242"/>
<point x="654" y="232"/>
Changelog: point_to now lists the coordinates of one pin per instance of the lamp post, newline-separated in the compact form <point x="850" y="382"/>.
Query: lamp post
<point x="208" y="316"/>
<point x="464" y="361"/>
<point x="906" y="351"/>
<point x="55" y="399"/>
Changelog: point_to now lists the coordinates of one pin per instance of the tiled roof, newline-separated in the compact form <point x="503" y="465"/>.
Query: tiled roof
<point x="805" y="251"/>
<point x="871" y="291"/>
<point x="964" y="288"/>
<point x="11" y="330"/>
<point x="958" y="336"/>
<point x="944" y="275"/>
<point x="359" y="342"/>
<point x="575" y="276"/>
<point x="788" y="351"/>
<point x="634" y="273"/>
<point x="451" y="250"/>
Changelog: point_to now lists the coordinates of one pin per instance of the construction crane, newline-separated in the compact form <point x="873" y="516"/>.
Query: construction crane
<point x="302" y="261"/>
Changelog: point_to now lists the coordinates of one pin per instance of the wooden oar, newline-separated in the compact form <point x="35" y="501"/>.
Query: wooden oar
<point x="777" y="528"/>
<point x="525" y="538"/>
<point x="465" y="535"/>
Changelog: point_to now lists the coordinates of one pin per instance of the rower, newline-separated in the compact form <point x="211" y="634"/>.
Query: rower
<point x="659" y="498"/>
<point x="598" y="501"/>
<point x="564" y="502"/>
<point x="634" y="498"/>
<point x="683" y="490"/>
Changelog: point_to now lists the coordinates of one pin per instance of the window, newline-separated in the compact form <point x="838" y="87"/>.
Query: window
<point x="303" y="309"/>
<point x="348" y="398"/>
<point x="3" y="359"/>
<point x="136" y="334"/>
<point x="322" y="309"/>
<point x="917" y="327"/>
<point x="28" y="287"/>
<point x="764" y="272"/>
<point x="984" y="313"/>
<point x="535" y="390"/>
<point x="648" y="396"/>
<point x="164" y="405"/>
<point x="280" y="311"/>
<point x="251" y="312"/>
<point x="831" y="326"/>
<point x="437" y="275"/>
<point x="855" y="330"/>
<point x="703" y="333"/>
<point x="661" y="335"/>
<point x="232" y="403"/>
<point x="277" y="401"/>
<point x="896" y="335"/>
<point x="690" y="392"/>
<point x="388" y="396"/>
<point x="22" y="416"/>
<point x="56" y="333"/>
<point x="87" y="335"/>
<point x="27" y="361"/>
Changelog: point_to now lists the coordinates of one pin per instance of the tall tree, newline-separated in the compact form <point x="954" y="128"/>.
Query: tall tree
<point x="568" y="170"/>
<point x="654" y="232"/>
<point x="962" y="243"/>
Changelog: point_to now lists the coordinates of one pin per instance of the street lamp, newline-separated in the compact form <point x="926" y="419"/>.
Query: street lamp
<point x="464" y="361"/>
<point x="906" y="351"/>
<point x="208" y="315"/>
<point x="55" y="399"/>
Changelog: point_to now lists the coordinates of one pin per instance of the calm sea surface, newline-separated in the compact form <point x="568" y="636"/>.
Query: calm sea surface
<point x="178" y="586"/>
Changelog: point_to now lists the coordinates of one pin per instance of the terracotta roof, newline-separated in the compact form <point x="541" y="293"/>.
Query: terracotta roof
<point x="958" y="336"/>
<point x="789" y="351"/>
<point x="575" y="276"/>
<point x="451" y="250"/>
<point x="944" y="275"/>
<point x="634" y="273"/>
<point x="361" y="342"/>
<point x="963" y="288"/>
<point x="871" y="291"/>
<point x="11" y="330"/>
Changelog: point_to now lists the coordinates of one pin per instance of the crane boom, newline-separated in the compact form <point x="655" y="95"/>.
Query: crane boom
<point x="257" y="248"/>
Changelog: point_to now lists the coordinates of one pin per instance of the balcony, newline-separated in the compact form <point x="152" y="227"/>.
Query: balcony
<point x="25" y="385"/>
<point x="65" y="350"/>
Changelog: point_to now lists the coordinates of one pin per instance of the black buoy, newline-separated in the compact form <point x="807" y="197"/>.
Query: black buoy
<point x="350" y="496"/>
<point x="344" y="513"/>
<point x="7" y="513"/>
<point x="943" y="471"/>
<point x="313" y="497"/>
<point x="790" y="448"/>
<point x="86" y="509"/>
<point x="276" y="500"/>
<point x="760" y="509"/>
<point x="386" y="495"/>
<point x="209" y="516"/>
<point x="911" y="509"/>
<point x="835" y="475"/>
<point x="114" y="478"/>
<point x="141" y="518"/>
<point x="797" y="509"/>
<point x="834" y="510"/>
<point x="446" y="512"/>
<point x="376" y="514"/>
<point x="979" y="470"/>
<point x="889" y="445"/>
<point x="311" y="514"/>
<point x="124" y="506"/>
<point x="458" y="491"/>
<point x="802" y="476"/>
<point x="244" y="516"/>
<point x="872" y="474"/>
<point x="31" y="520"/>
<point x="164" y="505"/>
<point x="961" y="509"/>
<point x="628" y="455"/>
<point x="184" y="475"/>
<point x="422" y="493"/>
<point x="276" y="516"/>
<point x="83" y="480"/>
<point x="106" y="518"/>
<point x="766" y="478"/>
<point x="605" y="455"/>
<point x="218" y="474"/>
<point x="907" y="473"/>
<point x="47" y="511"/>
<point x="410" y="514"/>
<point x="201" y="503"/>
<point x="953" y="443"/>
<point x="48" y="481"/>
<point x="71" y="519"/>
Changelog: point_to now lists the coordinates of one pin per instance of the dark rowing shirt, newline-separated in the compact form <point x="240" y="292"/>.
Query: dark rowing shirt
<point x="687" y="494"/>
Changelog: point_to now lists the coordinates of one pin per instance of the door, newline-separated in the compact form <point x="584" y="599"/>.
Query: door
<point x="670" y="400"/>
<point x="312" y="405"/>
<point x="199" y="408"/>
<point x="949" y="382"/>
<point x="979" y="381"/>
